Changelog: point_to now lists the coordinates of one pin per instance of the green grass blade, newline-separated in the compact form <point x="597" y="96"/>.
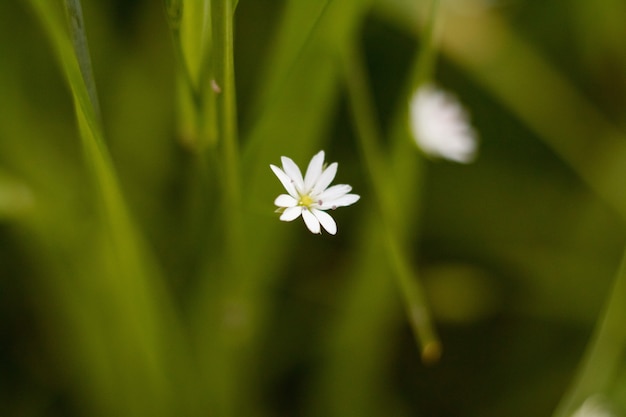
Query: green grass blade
<point x="81" y="50"/>
<point x="605" y="354"/>
<point x="129" y="281"/>
<point x="369" y="139"/>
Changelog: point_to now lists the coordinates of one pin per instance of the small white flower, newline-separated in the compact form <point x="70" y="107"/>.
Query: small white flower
<point x="310" y="196"/>
<point x="594" y="406"/>
<point x="441" y="126"/>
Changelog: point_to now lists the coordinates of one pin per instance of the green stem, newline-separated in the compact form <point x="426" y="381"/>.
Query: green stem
<point x="427" y="55"/>
<point x="174" y="10"/>
<point x="81" y="49"/>
<point x="605" y="353"/>
<point x="228" y="346"/>
<point x="205" y="65"/>
<point x="222" y="16"/>
<point x="364" y="118"/>
<point x="198" y="105"/>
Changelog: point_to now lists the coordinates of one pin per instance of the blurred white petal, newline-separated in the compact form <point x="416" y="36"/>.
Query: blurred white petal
<point x="594" y="406"/>
<point x="440" y="125"/>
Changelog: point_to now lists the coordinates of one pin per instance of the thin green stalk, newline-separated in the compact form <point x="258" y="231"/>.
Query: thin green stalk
<point x="192" y="43"/>
<point x="222" y="18"/>
<point x="605" y="353"/>
<point x="364" y="118"/>
<point x="426" y="59"/>
<point x="174" y="10"/>
<point x="206" y="58"/>
<point x="225" y="345"/>
<point x="81" y="49"/>
<point x="56" y="30"/>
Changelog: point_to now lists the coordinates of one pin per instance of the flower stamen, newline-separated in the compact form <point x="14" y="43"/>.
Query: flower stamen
<point x="305" y="201"/>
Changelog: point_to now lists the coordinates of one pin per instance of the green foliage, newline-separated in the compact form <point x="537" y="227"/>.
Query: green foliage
<point x="144" y="273"/>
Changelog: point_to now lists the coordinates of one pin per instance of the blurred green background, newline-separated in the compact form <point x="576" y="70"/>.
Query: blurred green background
<point x="517" y="251"/>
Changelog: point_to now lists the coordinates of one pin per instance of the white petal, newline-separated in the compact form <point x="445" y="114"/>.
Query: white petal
<point x="342" y="201"/>
<point x="326" y="220"/>
<point x="461" y="148"/>
<point x="334" y="192"/>
<point x="285" y="200"/>
<point x="314" y="170"/>
<point x="440" y="125"/>
<point x="311" y="221"/>
<point x="325" y="179"/>
<point x="347" y="200"/>
<point x="292" y="170"/>
<point x="291" y="213"/>
<point x="285" y="181"/>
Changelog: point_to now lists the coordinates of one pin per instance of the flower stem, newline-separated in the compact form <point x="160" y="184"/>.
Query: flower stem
<point x="222" y="19"/>
<point x="364" y="117"/>
<point x="426" y="59"/>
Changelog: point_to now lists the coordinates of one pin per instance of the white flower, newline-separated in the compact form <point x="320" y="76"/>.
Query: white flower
<point x="441" y="126"/>
<point x="310" y="196"/>
<point x="594" y="406"/>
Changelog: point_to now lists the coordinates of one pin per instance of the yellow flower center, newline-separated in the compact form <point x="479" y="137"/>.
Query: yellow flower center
<point x="306" y="201"/>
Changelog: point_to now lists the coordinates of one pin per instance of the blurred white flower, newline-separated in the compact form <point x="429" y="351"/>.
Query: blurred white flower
<point x="441" y="126"/>
<point x="593" y="406"/>
<point x="310" y="196"/>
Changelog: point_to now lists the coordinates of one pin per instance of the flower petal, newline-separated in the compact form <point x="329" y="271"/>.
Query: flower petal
<point x="285" y="200"/>
<point x="343" y="201"/>
<point x="325" y="179"/>
<point x="314" y="171"/>
<point x="291" y="213"/>
<point x="311" y="221"/>
<point x="461" y="149"/>
<point x="292" y="170"/>
<point x="287" y="182"/>
<point x="441" y="126"/>
<point x="326" y="220"/>
<point x="334" y="192"/>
